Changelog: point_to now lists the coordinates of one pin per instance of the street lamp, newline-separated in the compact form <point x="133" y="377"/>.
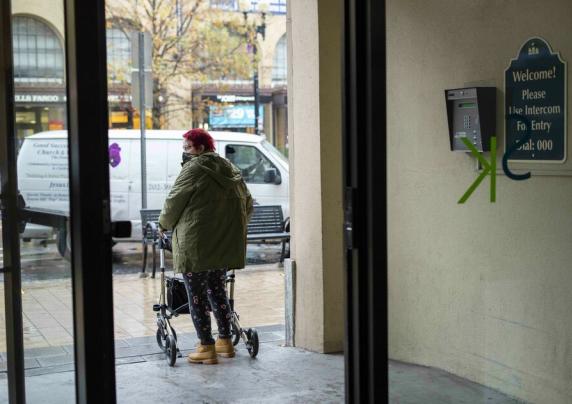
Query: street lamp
<point x="252" y="31"/>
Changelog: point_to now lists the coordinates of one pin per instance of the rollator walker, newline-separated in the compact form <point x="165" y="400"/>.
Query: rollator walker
<point x="173" y="301"/>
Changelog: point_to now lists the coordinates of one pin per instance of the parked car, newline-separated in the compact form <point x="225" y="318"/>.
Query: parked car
<point x="43" y="173"/>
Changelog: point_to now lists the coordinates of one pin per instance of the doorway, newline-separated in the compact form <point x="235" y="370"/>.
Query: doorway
<point x="92" y="286"/>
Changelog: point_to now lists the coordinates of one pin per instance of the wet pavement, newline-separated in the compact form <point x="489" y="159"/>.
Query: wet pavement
<point x="55" y="359"/>
<point x="42" y="262"/>
<point x="47" y="306"/>
<point x="47" y="291"/>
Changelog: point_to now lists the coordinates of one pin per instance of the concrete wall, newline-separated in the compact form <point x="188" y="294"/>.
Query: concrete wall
<point x="314" y="97"/>
<point x="481" y="290"/>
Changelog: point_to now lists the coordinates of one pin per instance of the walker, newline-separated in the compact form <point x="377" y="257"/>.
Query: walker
<point x="167" y="308"/>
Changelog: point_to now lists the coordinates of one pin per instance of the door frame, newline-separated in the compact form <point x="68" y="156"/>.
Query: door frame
<point x="91" y="262"/>
<point x="8" y="204"/>
<point x="365" y="200"/>
<point x="90" y="201"/>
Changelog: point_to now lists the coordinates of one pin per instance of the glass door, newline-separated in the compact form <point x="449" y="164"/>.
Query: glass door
<point x="56" y="230"/>
<point x="37" y="283"/>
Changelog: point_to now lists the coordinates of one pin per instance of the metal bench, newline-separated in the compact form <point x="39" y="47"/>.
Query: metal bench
<point x="266" y="223"/>
<point x="149" y="224"/>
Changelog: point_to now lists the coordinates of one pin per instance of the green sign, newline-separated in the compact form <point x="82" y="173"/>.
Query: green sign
<point x="535" y="104"/>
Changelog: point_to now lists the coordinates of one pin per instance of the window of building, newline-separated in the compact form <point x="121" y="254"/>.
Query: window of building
<point x="118" y="56"/>
<point x="280" y="61"/>
<point x="38" y="52"/>
<point x="224" y="4"/>
<point x="251" y="162"/>
<point x="278" y="7"/>
<point x="275" y="6"/>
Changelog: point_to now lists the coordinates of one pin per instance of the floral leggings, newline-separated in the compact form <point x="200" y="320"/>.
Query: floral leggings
<point x="206" y="291"/>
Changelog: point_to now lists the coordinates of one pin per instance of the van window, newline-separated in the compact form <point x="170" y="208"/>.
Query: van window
<point x="251" y="162"/>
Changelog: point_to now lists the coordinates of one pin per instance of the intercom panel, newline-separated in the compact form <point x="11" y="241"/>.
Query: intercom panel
<point x="471" y="114"/>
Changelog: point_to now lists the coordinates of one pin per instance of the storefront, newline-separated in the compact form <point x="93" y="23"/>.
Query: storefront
<point x="39" y="111"/>
<point x="121" y="111"/>
<point x="235" y="116"/>
<point x="234" y="111"/>
<point x="39" y="77"/>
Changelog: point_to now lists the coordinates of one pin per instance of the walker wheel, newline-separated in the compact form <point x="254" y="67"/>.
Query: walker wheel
<point x="171" y="350"/>
<point x="235" y="334"/>
<point x="252" y="342"/>
<point x="161" y="336"/>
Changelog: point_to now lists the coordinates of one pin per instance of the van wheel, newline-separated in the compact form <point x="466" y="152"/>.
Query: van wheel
<point x="63" y="242"/>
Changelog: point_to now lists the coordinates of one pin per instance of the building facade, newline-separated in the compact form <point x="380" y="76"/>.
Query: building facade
<point x="39" y="68"/>
<point x="39" y="64"/>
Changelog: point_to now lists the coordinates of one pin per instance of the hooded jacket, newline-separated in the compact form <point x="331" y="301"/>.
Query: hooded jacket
<point x="208" y="210"/>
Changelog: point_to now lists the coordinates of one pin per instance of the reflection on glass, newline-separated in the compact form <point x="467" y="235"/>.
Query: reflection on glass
<point x="40" y="123"/>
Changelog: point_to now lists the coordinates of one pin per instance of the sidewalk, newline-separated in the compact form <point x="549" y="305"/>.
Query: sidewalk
<point x="56" y="359"/>
<point x="47" y="306"/>
<point x="34" y="250"/>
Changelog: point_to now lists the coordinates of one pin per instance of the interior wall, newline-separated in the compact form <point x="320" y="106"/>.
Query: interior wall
<point x="482" y="289"/>
<point x="314" y="123"/>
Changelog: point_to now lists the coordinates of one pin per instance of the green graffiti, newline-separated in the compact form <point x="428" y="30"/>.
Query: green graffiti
<point x="489" y="168"/>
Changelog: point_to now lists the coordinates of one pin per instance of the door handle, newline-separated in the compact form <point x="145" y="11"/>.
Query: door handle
<point x="20" y="205"/>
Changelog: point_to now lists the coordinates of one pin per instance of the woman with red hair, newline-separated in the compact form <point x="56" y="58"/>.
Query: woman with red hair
<point x="208" y="210"/>
<point x="200" y="137"/>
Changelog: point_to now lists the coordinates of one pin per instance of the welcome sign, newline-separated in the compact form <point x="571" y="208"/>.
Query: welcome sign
<point x="535" y="104"/>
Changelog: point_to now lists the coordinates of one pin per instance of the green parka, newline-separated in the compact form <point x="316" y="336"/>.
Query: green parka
<point x="208" y="210"/>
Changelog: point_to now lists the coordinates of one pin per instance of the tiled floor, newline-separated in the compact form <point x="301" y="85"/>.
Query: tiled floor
<point x="259" y="296"/>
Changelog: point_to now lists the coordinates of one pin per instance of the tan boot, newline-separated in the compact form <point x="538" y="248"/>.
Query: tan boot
<point x="203" y="354"/>
<point x="224" y="347"/>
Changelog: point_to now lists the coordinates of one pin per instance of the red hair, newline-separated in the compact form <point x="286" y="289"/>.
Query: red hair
<point x="200" y="137"/>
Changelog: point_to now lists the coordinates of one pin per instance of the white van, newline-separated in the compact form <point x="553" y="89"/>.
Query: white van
<point x="43" y="171"/>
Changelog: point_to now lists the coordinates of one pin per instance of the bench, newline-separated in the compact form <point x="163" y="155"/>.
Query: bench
<point x="266" y="223"/>
<point x="150" y="226"/>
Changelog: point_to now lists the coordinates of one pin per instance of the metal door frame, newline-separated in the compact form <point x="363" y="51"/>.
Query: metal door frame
<point x="89" y="205"/>
<point x="8" y="203"/>
<point x="365" y="200"/>
<point x="89" y="200"/>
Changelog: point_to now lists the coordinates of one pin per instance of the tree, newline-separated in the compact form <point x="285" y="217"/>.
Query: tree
<point x="191" y="42"/>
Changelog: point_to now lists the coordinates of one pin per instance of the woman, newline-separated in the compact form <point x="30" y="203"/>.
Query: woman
<point x="208" y="210"/>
